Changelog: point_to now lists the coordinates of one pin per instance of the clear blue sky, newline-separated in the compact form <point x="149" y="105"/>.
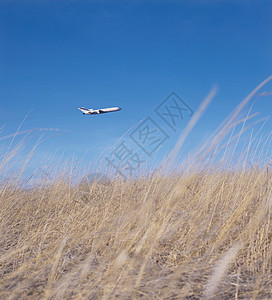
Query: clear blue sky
<point x="58" y="55"/>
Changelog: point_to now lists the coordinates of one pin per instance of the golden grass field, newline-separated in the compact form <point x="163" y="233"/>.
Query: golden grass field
<point x="203" y="233"/>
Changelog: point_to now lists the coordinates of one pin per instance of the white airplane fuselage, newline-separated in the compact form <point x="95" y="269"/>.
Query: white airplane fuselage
<point x="90" y="111"/>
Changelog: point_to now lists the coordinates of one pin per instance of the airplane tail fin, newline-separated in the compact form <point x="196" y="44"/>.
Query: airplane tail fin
<point x="83" y="109"/>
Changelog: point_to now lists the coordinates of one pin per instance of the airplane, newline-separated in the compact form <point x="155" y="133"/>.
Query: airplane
<point x="90" y="111"/>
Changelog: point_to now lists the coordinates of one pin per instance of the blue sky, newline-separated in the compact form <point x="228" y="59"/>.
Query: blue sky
<point x="58" y="55"/>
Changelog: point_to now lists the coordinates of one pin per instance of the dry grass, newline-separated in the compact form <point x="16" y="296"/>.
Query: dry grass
<point x="198" y="234"/>
<point x="159" y="238"/>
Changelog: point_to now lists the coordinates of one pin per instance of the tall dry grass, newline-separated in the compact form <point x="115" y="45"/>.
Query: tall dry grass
<point x="199" y="233"/>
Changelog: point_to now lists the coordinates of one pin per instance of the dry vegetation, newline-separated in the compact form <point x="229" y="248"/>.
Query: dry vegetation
<point x="157" y="239"/>
<point x="198" y="234"/>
